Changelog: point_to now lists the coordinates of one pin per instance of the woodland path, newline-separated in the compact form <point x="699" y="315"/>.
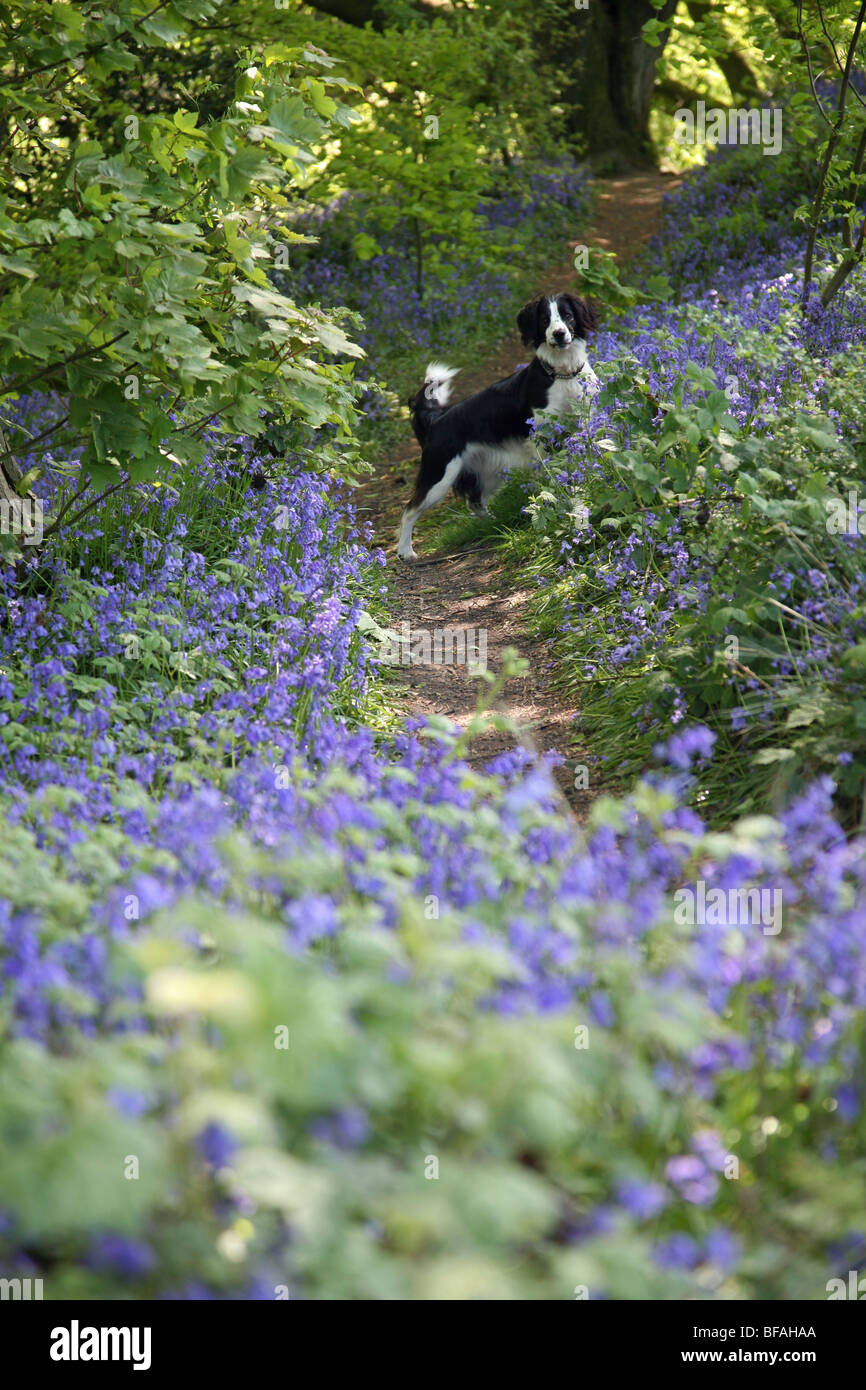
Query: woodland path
<point x="473" y="589"/>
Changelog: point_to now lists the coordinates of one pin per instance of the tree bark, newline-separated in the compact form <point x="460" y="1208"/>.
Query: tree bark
<point x="10" y="478"/>
<point x="594" y="60"/>
<point x="358" y="12"/>
<point x="10" y="471"/>
<point x="607" y="73"/>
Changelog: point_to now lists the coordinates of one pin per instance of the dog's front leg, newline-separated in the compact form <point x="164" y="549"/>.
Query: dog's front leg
<point x="427" y="493"/>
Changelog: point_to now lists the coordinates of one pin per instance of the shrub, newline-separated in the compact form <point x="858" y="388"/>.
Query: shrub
<point x="392" y="1031"/>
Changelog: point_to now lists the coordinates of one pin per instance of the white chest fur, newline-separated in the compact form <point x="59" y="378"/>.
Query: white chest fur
<point x="573" y="379"/>
<point x="564" y="392"/>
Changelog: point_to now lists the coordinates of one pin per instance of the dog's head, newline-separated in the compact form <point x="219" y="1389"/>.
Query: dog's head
<point x="555" y="321"/>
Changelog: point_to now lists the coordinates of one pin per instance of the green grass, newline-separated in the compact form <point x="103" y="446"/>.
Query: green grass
<point x="452" y="526"/>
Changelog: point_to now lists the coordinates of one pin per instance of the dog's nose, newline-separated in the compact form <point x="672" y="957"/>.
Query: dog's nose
<point x="559" y="334"/>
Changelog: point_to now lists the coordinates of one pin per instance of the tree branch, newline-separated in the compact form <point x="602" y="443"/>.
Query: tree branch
<point x="832" y="44"/>
<point x="64" y="362"/>
<point x="832" y="142"/>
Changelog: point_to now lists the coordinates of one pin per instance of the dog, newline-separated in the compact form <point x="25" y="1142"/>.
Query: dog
<point x="469" y="446"/>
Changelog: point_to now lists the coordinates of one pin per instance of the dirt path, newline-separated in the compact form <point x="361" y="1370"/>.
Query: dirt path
<point x="473" y="590"/>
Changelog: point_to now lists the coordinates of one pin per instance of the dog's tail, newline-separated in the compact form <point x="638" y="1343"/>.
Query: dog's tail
<point x="437" y="383"/>
<point x="426" y="406"/>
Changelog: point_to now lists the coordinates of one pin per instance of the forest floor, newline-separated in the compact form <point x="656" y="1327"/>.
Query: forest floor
<point x="473" y="589"/>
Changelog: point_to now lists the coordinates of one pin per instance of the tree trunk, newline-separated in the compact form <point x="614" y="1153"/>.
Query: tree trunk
<point x="10" y="498"/>
<point x="358" y="12"/>
<point x="593" y="60"/>
<point x="607" y="74"/>
<point x="10" y="471"/>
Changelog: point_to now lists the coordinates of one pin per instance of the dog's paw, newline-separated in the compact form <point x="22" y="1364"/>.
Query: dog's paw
<point x="407" y="555"/>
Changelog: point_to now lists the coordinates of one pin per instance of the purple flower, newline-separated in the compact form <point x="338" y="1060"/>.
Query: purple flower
<point x="677" y="1252"/>
<point x="643" y="1200"/>
<point x="132" y="1104"/>
<point x="121" y="1255"/>
<point x="723" y="1249"/>
<point x="683" y="748"/>
<point x="347" y="1129"/>
<point x="686" y="1168"/>
<point x="217" y="1145"/>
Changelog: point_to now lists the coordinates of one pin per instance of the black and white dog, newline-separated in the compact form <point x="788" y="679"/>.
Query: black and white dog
<point x="470" y="445"/>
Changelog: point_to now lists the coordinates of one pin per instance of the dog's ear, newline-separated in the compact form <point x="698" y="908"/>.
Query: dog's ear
<point x="527" y="322"/>
<point x="584" y="315"/>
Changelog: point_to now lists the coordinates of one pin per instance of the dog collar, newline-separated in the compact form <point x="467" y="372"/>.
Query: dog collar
<point x="562" y="376"/>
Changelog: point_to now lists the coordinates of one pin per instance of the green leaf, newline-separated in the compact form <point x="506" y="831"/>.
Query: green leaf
<point x="807" y="713"/>
<point x="767" y="756"/>
<point x="365" y="246"/>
